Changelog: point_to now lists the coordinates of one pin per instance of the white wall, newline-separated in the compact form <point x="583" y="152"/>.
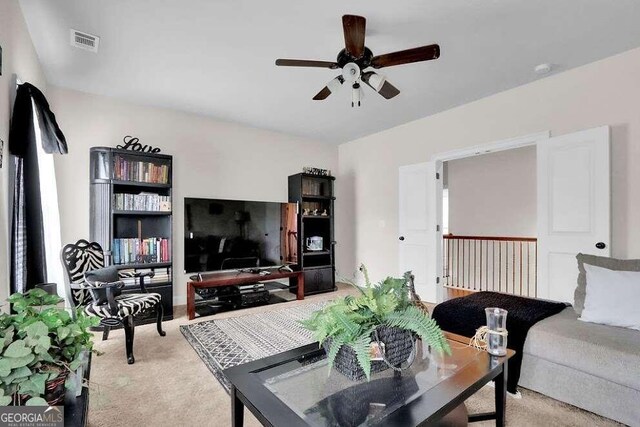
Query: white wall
<point x="606" y="92"/>
<point x="212" y="159"/>
<point x="493" y="194"/>
<point x="18" y="58"/>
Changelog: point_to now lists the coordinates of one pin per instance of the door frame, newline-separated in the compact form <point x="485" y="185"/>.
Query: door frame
<point x="473" y="151"/>
<point x="492" y="147"/>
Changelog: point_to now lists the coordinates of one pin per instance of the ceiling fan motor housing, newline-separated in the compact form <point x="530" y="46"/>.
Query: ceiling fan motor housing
<point x="363" y="62"/>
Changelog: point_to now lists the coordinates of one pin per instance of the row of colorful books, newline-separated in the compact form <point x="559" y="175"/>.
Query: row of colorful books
<point x="142" y="202"/>
<point x="138" y="251"/>
<point x="129" y="170"/>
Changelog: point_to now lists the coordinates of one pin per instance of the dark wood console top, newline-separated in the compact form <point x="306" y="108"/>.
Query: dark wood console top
<point x="239" y="278"/>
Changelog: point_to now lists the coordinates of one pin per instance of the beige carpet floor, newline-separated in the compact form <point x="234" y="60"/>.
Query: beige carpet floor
<point x="170" y="386"/>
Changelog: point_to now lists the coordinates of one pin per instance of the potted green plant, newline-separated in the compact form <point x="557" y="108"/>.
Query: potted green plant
<point x="41" y="344"/>
<point x="381" y="321"/>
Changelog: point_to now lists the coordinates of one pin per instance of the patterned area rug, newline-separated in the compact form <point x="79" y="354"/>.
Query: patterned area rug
<point x="229" y="342"/>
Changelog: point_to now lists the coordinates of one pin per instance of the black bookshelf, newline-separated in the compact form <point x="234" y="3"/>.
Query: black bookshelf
<point x="315" y="198"/>
<point x="146" y="220"/>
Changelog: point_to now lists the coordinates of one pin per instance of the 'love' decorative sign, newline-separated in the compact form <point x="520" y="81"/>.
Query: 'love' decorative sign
<point x="133" y="144"/>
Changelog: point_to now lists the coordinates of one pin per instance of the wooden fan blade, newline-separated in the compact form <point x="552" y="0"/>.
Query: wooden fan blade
<point x="306" y="63"/>
<point x="323" y="94"/>
<point x="388" y="90"/>
<point x="354" y="31"/>
<point x="418" y="54"/>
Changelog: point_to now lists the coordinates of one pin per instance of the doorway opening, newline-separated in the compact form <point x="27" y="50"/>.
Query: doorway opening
<point x="489" y="223"/>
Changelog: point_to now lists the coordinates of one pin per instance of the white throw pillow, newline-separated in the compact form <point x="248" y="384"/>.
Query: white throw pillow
<point x="613" y="297"/>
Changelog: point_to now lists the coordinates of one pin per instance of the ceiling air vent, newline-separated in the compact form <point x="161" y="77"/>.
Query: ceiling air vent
<point x="84" y="41"/>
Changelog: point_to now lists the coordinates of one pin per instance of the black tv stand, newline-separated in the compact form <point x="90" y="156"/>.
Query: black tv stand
<point x="215" y="280"/>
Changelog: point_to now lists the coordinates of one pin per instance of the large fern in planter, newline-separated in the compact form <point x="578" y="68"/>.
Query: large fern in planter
<point x="351" y="320"/>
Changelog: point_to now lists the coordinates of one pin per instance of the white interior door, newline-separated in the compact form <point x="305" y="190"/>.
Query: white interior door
<point x="419" y="246"/>
<point x="573" y="207"/>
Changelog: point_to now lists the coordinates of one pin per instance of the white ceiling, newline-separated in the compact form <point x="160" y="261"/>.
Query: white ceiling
<point x="216" y="57"/>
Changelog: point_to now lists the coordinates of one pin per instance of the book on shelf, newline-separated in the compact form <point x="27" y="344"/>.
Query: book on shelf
<point x="141" y="251"/>
<point x="311" y="187"/>
<point x="141" y="202"/>
<point x="125" y="169"/>
<point x="161" y="275"/>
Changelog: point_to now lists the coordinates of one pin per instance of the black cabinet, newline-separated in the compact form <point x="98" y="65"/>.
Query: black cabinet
<point x="315" y="251"/>
<point x="318" y="280"/>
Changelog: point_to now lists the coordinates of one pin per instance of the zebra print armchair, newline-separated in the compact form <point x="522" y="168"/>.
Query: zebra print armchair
<point x="103" y="298"/>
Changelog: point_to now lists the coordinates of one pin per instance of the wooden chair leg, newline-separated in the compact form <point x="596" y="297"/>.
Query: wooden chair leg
<point x="128" y="324"/>
<point x="160" y="314"/>
<point x="105" y="333"/>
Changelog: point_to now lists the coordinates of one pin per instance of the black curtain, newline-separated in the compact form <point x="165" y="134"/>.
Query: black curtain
<point x="28" y="258"/>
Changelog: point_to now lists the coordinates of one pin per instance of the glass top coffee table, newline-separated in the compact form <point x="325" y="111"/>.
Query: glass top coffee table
<point x="295" y="388"/>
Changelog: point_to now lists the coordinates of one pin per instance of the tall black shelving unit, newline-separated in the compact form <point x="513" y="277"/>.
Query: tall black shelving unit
<point x="315" y="198"/>
<point x="115" y="173"/>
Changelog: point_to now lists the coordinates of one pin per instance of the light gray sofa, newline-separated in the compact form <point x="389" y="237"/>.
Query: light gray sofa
<point x="594" y="367"/>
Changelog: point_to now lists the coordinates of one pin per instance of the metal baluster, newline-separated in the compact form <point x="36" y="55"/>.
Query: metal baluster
<point x="458" y="272"/>
<point x="480" y="265"/>
<point x="528" y="269"/>
<point x="513" y="271"/>
<point x="500" y="267"/>
<point x="493" y="265"/>
<point x="486" y="267"/>
<point x="521" y="268"/>
<point x="475" y="264"/>
<point x="536" y="276"/>
<point x="469" y="265"/>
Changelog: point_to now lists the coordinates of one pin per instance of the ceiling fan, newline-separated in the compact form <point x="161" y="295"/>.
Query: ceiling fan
<point x="356" y="58"/>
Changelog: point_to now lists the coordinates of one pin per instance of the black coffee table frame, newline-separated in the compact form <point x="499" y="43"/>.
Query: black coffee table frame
<point x="247" y="390"/>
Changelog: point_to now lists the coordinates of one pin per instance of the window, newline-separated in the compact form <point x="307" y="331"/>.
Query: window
<point x="50" y="211"/>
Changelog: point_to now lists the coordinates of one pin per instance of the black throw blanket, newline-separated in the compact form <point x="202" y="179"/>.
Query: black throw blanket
<point x="466" y="314"/>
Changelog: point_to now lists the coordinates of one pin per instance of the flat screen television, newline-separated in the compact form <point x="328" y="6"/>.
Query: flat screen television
<point x="238" y="234"/>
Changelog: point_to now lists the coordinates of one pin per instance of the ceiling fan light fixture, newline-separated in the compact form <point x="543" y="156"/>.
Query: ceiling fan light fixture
<point x="335" y="84"/>
<point x="376" y="81"/>
<point x="351" y="72"/>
